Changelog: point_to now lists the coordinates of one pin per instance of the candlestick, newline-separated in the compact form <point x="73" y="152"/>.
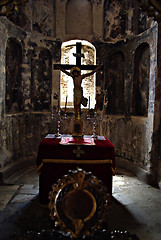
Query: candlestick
<point x="89" y="103"/>
<point x="66" y="103"/>
<point x="58" y="135"/>
<point x="104" y="100"/>
<point x="94" y="126"/>
<point x="58" y="103"/>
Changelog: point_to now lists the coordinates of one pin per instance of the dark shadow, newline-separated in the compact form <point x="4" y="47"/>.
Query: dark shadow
<point x="120" y="217"/>
<point x="18" y="218"/>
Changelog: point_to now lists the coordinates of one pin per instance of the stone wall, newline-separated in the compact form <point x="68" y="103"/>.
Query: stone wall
<point x="22" y="129"/>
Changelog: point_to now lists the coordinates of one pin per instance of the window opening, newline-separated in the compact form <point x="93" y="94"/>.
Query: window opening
<point x="66" y="82"/>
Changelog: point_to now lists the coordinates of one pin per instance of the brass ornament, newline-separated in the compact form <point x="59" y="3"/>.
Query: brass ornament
<point x="79" y="203"/>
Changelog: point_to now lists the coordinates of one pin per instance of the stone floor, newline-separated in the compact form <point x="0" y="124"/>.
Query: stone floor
<point x="136" y="206"/>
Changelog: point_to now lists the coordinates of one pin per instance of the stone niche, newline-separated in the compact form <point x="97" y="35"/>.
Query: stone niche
<point x="79" y="17"/>
<point x="41" y="79"/>
<point x="115" y="83"/>
<point x="13" y="76"/>
<point x="141" y="80"/>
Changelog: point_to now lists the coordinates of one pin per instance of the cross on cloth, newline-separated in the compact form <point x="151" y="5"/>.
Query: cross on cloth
<point x="78" y="56"/>
<point x="78" y="151"/>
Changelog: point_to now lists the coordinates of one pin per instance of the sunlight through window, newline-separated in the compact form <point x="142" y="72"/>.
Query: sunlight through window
<point x="66" y="82"/>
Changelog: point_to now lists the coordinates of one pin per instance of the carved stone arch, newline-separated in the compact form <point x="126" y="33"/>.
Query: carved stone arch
<point x="41" y="79"/>
<point x="13" y="97"/>
<point x="79" y="17"/>
<point x="141" y="80"/>
<point x="115" y="82"/>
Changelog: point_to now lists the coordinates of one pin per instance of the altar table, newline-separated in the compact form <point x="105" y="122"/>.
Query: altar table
<point x="56" y="156"/>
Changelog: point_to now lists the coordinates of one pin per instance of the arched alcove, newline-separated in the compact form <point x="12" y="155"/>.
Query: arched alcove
<point x="79" y="17"/>
<point x="13" y="97"/>
<point x="141" y="80"/>
<point x="66" y="82"/>
<point x="115" y="83"/>
<point x="41" y="79"/>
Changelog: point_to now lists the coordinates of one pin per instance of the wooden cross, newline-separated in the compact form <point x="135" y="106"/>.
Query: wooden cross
<point x="78" y="56"/>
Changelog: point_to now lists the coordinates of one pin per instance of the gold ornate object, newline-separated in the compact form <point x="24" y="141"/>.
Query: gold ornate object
<point x="78" y="127"/>
<point x="79" y="203"/>
<point x="8" y="6"/>
<point x="152" y="7"/>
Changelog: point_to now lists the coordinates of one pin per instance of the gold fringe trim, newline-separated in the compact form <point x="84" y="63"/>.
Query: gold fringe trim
<point x="101" y="161"/>
<point x="39" y="167"/>
<point x="71" y="161"/>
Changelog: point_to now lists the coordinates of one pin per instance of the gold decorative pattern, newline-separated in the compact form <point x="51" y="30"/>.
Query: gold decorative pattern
<point x="78" y="151"/>
<point x="100" y="161"/>
<point x="76" y="161"/>
<point x="79" y="203"/>
<point x="8" y="6"/>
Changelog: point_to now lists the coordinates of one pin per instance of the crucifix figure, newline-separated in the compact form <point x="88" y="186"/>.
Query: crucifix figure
<point x="75" y="73"/>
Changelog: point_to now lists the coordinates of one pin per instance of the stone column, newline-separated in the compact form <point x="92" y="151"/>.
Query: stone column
<point x="156" y="140"/>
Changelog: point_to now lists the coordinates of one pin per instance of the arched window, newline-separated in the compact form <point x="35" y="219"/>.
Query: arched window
<point x="66" y="82"/>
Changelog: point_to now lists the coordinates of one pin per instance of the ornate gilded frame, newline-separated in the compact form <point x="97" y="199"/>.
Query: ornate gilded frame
<point x="74" y="221"/>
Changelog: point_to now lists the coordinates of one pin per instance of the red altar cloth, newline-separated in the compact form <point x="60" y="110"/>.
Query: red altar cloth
<point x="57" y="156"/>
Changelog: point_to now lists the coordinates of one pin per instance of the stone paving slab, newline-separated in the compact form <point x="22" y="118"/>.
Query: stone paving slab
<point x="23" y="198"/>
<point x="28" y="189"/>
<point x="6" y="194"/>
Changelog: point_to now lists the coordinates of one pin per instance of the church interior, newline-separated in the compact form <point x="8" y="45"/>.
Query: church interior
<point x="122" y="106"/>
